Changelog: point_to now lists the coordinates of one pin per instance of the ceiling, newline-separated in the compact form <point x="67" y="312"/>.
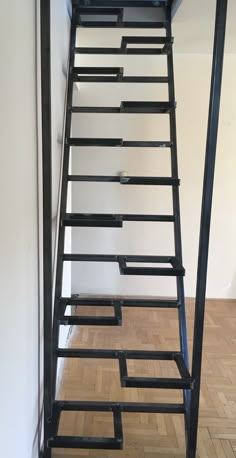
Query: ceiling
<point x="193" y="26"/>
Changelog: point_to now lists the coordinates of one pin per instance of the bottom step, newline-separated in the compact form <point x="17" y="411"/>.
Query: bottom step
<point x="106" y="443"/>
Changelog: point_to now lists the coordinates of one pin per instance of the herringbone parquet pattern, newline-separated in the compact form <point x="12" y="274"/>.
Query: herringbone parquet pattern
<point x="152" y="435"/>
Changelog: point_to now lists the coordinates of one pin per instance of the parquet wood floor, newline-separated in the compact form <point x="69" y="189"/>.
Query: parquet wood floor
<point x="152" y="435"/>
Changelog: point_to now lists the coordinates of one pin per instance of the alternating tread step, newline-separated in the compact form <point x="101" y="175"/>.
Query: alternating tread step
<point x="111" y="75"/>
<point x="91" y="220"/>
<point x="106" y="443"/>
<point x="124" y="24"/>
<point x="116" y="408"/>
<point x="163" y="46"/>
<point x="117" y="142"/>
<point x="110" y="220"/>
<point x="99" y="406"/>
<point x="112" y="4"/>
<point x="104" y="14"/>
<point x="175" y="270"/>
<point x="117" y="304"/>
<point x="104" y="11"/>
<point x="72" y="320"/>
<point x="82" y="300"/>
<point x="126" y="180"/>
<point x="129" y="107"/>
<point x="183" y="382"/>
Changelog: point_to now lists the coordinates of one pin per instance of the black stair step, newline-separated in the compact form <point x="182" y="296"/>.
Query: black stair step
<point x="89" y="321"/>
<point x="115" y="320"/>
<point x="127" y="40"/>
<point x="164" y="42"/>
<point x="147" y="107"/>
<point x="123" y="302"/>
<point x="97" y="443"/>
<point x="111" y="75"/>
<point x="129" y="107"/>
<point x="91" y="11"/>
<point x="183" y="382"/>
<point x="111" y="4"/>
<point x="98" y="70"/>
<point x="124" y="24"/>
<point x="117" y="142"/>
<point x="91" y="220"/>
<point x="116" y="12"/>
<point x="131" y="407"/>
<point x="109" y="220"/>
<point x="83" y="13"/>
<point x="116" y="408"/>
<point x="106" y="74"/>
<point x="113" y="14"/>
<point x="126" y="180"/>
<point x="147" y="144"/>
<point x="175" y="270"/>
<point x="82" y="442"/>
<point x="104" y="142"/>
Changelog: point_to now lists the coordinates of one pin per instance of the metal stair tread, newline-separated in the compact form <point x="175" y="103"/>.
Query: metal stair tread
<point x="116" y="408"/>
<point x="176" y="268"/>
<point x="89" y="320"/>
<point x="85" y="300"/>
<point x="185" y="381"/>
<point x="126" y="180"/>
<point x="117" y="142"/>
<point x="110" y="220"/>
<point x="142" y="107"/>
<point x="111" y="75"/>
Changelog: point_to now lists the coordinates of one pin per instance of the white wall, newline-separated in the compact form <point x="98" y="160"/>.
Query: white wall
<point x="194" y="27"/>
<point x="192" y="88"/>
<point x="18" y="232"/>
<point x="20" y="329"/>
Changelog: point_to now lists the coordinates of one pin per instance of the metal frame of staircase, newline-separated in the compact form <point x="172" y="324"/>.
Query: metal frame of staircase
<point x="83" y="14"/>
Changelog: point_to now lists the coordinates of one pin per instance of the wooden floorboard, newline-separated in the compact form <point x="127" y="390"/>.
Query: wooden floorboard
<point x="154" y="435"/>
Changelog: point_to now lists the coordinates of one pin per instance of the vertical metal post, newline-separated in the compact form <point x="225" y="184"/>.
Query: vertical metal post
<point x="63" y="200"/>
<point x="176" y="211"/>
<point x="213" y="121"/>
<point x="176" y="202"/>
<point x="47" y="210"/>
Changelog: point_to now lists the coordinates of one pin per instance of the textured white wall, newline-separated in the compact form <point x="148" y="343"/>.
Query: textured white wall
<point x="192" y="94"/>
<point x="20" y="329"/>
<point x="192" y="86"/>
<point x="18" y="233"/>
<point x="194" y="26"/>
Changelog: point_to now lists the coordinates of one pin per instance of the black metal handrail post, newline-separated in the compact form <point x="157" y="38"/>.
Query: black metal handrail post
<point x="176" y="211"/>
<point x="176" y="201"/>
<point x="47" y="212"/>
<point x="213" y="122"/>
<point x="63" y="200"/>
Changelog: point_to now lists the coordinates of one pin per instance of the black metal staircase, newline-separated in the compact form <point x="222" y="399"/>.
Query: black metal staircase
<point x="109" y="14"/>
